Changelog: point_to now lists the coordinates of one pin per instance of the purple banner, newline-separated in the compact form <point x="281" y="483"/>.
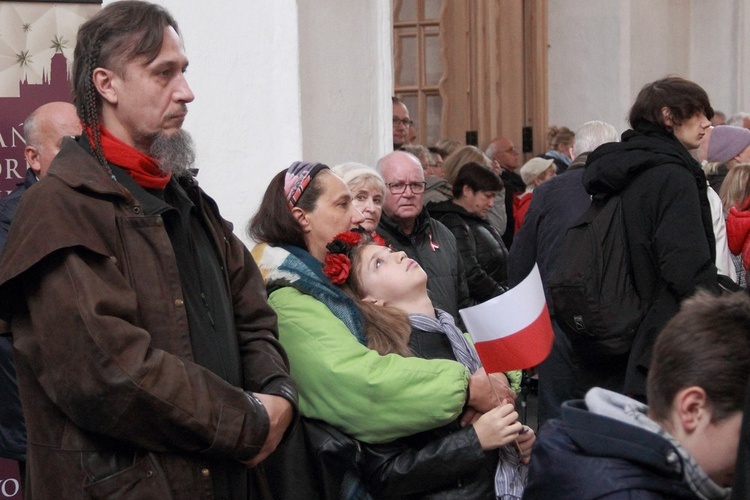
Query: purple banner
<point x="10" y="480"/>
<point x="36" y="51"/>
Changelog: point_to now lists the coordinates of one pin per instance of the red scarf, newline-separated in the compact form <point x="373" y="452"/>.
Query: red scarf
<point x="141" y="167"/>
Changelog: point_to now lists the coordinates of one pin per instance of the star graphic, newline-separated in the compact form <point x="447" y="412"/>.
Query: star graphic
<point x="23" y="58"/>
<point x="58" y="43"/>
<point x="26" y="27"/>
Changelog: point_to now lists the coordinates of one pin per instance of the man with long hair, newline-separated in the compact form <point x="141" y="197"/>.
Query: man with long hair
<point x="148" y="359"/>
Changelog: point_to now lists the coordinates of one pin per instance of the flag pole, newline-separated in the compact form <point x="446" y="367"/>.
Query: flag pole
<point x="492" y="386"/>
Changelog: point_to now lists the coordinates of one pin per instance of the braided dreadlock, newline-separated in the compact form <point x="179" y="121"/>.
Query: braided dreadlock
<point x="119" y="33"/>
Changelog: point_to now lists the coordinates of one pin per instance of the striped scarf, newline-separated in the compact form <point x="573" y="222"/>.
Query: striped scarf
<point x="511" y="475"/>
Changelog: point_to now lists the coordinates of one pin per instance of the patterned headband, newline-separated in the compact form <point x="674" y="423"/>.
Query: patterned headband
<point x="298" y="177"/>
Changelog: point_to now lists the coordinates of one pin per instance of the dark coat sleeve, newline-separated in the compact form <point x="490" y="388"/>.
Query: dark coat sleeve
<point x="392" y="469"/>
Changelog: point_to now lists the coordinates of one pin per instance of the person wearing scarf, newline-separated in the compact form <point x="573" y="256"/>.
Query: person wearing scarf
<point x="666" y="212"/>
<point x="390" y="291"/>
<point x="147" y="356"/>
<point x="684" y="444"/>
<point x="338" y="377"/>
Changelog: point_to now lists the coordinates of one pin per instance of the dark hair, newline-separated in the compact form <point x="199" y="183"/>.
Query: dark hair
<point x="395" y="100"/>
<point x="119" y="33"/>
<point x="683" y="98"/>
<point x="477" y="177"/>
<point x="437" y="150"/>
<point x="274" y="223"/>
<point x="707" y="344"/>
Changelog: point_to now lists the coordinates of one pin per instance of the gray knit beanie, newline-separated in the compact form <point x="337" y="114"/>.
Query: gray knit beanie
<point x="726" y="142"/>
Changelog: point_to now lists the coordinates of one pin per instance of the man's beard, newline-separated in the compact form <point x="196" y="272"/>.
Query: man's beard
<point x="174" y="153"/>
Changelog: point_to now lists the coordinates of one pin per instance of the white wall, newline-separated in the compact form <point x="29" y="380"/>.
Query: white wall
<point x="603" y="51"/>
<point x="346" y="74"/>
<point x="588" y="40"/>
<point x="277" y="81"/>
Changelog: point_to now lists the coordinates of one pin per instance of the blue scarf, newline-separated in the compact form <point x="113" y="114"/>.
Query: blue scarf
<point x="294" y="267"/>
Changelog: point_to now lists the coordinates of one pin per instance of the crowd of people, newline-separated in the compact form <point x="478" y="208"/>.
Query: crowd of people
<point x="148" y="353"/>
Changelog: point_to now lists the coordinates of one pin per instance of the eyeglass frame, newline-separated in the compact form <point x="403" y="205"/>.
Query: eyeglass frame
<point x="391" y="185"/>
<point x="406" y="122"/>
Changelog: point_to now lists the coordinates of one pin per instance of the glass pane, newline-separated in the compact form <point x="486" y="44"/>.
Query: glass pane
<point x="432" y="9"/>
<point x="433" y="70"/>
<point x="410" y="100"/>
<point x="434" y="111"/>
<point x="406" y="10"/>
<point x="406" y="59"/>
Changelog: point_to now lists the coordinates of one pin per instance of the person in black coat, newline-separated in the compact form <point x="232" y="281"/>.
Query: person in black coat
<point x="555" y="206"/>
<point x="481" y="247"/>
<point x="666" y="210"/>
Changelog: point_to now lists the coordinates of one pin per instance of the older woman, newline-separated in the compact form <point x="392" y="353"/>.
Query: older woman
<point x="340" y="380"/>
<point x="481" y="245"/>
<point x="497" y="216"/>
<point x="368" y="191"/>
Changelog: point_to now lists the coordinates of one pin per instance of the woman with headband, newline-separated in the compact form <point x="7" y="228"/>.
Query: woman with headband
<point x="371" y="397"/>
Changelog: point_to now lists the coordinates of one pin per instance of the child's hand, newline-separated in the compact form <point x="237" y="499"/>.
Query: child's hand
<point x="525" y="441"/>
<point x="498" y="427"/>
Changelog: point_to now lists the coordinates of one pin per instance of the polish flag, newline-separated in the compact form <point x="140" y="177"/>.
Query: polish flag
<point x="512" y="331"/>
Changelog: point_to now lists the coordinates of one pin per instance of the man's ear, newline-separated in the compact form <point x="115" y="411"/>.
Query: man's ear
<point x="467" y="191"/>
<point x="104" y="83"/>
<point x="302" y="219"/>
<point x="692" y="407"/>
<point x="667" y="115"/>
<point x="32" y="158"/>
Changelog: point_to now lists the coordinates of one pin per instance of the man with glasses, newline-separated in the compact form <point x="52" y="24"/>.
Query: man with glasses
<point x="407" y="226"/>
<point x="504" y="156"/>
<point x="401" y="123"/>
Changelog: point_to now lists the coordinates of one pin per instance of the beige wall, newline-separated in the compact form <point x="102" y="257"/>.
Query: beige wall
<point x="603" y="51"/>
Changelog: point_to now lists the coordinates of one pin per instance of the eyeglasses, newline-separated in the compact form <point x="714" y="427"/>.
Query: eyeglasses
<point x="405" y="122"/>
<point x="400" y="187"/>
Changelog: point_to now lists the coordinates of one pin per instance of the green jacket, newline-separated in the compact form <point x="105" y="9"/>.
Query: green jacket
<point x="373" y="398"/>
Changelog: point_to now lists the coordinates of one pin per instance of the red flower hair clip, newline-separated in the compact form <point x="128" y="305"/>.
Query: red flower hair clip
<point x="338" y="264"/>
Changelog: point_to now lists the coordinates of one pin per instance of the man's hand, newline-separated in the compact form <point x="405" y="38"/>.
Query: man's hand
<point x="280" y="416"/>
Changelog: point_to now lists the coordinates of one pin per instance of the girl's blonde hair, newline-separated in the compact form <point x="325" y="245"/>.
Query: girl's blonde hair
<point x="735" y="190"/>
<point x="462" y="156"/>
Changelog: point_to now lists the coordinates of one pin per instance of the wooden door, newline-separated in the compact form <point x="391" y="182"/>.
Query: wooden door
<point x="472" y="66"/>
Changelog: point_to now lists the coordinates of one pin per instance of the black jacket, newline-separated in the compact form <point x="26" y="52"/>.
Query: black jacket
<point x="12" y="428"/>
<point x="434" y="247"/>
<point x="668" y="223"/>
<point x="447" y="462"/>
<point x="482" y="249"/>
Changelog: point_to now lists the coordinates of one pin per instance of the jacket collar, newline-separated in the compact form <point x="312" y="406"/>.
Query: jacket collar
<point x="421" y="227"/>
<point x="75" y="166"/>
<point x="447" y="207"/>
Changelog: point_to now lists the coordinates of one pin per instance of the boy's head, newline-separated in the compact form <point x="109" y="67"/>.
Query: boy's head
<point x="698" y="377"/>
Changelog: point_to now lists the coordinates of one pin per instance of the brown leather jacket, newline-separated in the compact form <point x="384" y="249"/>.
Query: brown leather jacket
<point x="114" y="404"/>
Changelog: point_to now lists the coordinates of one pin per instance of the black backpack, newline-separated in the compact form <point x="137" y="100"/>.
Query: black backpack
<point x="592" y="290"/>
